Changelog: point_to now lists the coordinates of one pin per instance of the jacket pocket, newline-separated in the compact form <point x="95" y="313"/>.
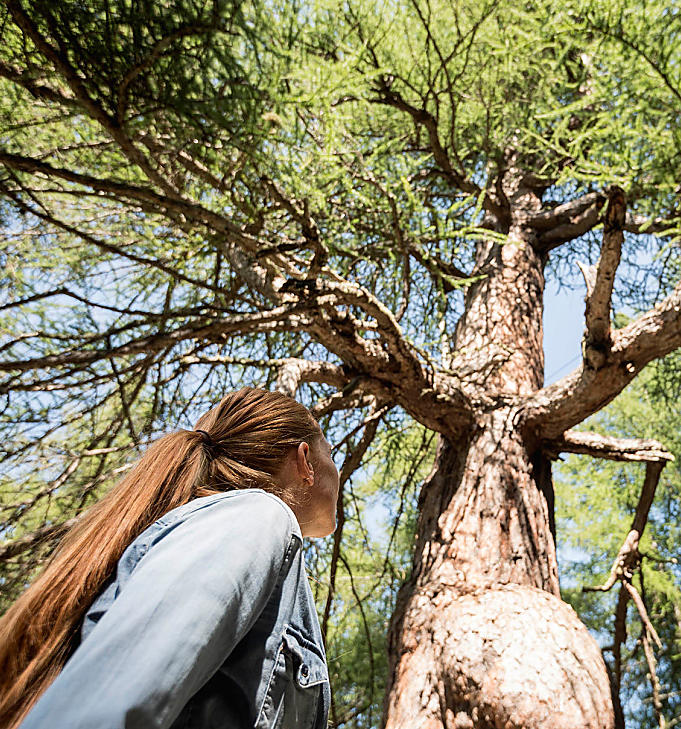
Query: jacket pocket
<point x="294" y="692"/>
<point x="308" y="662"/>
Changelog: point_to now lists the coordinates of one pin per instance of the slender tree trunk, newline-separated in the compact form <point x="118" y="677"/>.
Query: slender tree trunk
<point x="480" y="637"/>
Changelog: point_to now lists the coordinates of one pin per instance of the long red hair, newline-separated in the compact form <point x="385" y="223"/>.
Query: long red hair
<point x="253" y="429"/>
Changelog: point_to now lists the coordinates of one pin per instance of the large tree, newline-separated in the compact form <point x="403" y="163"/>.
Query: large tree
<point x="363" y="200"/>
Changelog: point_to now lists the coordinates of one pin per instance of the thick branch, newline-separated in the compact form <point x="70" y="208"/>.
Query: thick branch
<point x="560" y="406"/>
<point x="614" y="449"/>
<point x="391" y="361"/>
<point x="567" y="222"/>
<point x="565" y="214"/>
<point x="599" y="282"/>
<point x="358" y="398"/>
<point x="291" y="372"/>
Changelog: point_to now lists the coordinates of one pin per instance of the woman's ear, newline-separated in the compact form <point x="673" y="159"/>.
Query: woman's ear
<point x="305" y="468"/>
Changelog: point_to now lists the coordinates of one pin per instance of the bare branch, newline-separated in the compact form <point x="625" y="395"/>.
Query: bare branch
<point x="620" y="639"/>
<point x="292" y="371"/>
<point x="626" y="564"/>
<point x="564" y="404"/>
<point x="565" y="214"/>
<point x="597" y="339"/>
<point x="655" y="682"/>
<point x="643" y="612"/>
<point x="602" y="446"/>
<point x="567" y="222"/>
<point x="629" y="558"/>
<point x="356" y="398"/>
<point x="352" y="461"/>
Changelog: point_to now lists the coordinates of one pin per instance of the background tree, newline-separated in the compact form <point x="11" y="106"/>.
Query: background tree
<point x="358" y="203"/>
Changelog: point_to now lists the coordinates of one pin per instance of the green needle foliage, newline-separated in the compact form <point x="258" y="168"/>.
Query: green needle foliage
<point x="595" y="505"/>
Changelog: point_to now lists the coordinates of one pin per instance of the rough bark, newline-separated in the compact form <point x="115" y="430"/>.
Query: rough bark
<point x="480" y="637"/>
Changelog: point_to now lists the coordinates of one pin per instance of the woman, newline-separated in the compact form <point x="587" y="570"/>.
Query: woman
<point x="180" y="599"/>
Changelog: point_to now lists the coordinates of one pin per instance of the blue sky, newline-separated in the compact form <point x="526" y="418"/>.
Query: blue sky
<point x="563" y="329"/>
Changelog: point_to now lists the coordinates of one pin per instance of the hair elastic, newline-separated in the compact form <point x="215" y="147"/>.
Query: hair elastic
<point x="207" y="440"/>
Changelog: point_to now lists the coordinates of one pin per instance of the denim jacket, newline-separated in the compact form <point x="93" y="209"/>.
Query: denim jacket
<point x="208" y="623"/>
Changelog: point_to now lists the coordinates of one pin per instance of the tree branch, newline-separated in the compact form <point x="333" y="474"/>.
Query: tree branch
<point x="566" y="232"/>
<point x="110" y="248"/>
<point x="628" y="558"/>
<point x="157" y="50"/>
<point x="601" y="446"/>
<point x="599" y="282"/>
<point x="584" y="391"/>
<point x="565" y="214"/>
<point x="233" y="242"/>
<point x="350" y="465"/>
<point x="37" y="90"/>
<point x="390" y="359"/>
<point x="422" y="116"/>
<point x="88" y="104"/>
<point x="638" y="224"/>
<point x="558" y="407"/>
<point x="655" y="683"/>
<point x="273" y="320"/>
<point x="626" y="564"/>
<point x="128" y="192"/>
<point x="307" y="224"/>
<point x="292" y="371"/>
<point x="448" y="273"/>
<point x="33" y="539"/>
<point x="620" y="639"/>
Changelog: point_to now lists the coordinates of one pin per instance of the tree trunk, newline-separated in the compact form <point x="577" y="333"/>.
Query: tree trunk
<point x="480" y="637"/>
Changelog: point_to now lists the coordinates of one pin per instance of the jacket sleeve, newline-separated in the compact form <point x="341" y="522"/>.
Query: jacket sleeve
<point x="188" y="602"/>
